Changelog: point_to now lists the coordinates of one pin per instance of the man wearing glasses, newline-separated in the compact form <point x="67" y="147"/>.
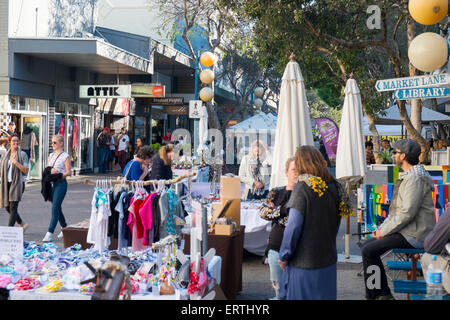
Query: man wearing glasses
<point x="411" y="216"/>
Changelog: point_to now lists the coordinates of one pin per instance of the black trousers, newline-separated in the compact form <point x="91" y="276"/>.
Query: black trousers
<point x="371" y="252"/>
<point x="12" y="210"/>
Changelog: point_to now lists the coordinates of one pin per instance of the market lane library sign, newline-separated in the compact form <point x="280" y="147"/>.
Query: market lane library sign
<point x="413" y="82"/>
<point x="422" y="93"/>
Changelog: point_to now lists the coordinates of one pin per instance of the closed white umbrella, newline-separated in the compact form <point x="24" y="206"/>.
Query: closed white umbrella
<point x="351" y="155"/>
<point x="202" y="132"/>
<point x="294" y="123"/>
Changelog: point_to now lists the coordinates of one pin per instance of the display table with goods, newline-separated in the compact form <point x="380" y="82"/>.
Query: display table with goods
<point x="49" y="273"/>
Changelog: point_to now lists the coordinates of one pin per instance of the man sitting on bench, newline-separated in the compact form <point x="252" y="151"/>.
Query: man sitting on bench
<point x="435" y="244"/>
<point x="411" y="218"/>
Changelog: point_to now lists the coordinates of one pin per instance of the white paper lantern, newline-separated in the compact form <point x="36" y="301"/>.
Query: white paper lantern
<point x="206" y="94"/>
<point x="258" y="103"/>
<point x="259" y="91"/>
<point x="207" y="76"/>
<point x="428" y="52"/>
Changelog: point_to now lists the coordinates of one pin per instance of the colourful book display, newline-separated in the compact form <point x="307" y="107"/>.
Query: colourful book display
<point x="376" y="198"/>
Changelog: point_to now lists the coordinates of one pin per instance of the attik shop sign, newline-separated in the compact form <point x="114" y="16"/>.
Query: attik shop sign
<point x="105" y="91"/>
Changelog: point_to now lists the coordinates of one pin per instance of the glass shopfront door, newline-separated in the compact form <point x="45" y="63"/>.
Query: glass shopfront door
<point x="32" y="132"/>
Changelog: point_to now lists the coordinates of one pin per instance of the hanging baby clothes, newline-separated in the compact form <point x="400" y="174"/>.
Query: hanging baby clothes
<point x="146" y="214"/>
<point x="121" y="241"/>
<point x="134" y="220"/>
<point x="170" y="220"/>
<point x="98" y="226"/>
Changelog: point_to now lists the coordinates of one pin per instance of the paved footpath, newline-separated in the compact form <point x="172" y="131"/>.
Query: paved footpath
<point x="256" y="284"/>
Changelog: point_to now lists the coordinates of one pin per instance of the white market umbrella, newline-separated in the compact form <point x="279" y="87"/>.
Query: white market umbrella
<point x="351" y="154"/>
<point x="202" y="132"/>
<point x="294" y="123"/>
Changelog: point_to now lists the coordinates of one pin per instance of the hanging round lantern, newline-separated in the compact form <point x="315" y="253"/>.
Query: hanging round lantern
<point x="428" y="12"/>
<point x="258" y="103"/>
<point x="206" y="94"/>
<point x="207" y="76"/>
<point x="207" y="59"/>
<point x="259" y="91"/>
<point x="428" y="52"/>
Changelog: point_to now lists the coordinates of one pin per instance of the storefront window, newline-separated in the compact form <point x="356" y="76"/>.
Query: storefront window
<point x="41" y="105"/>
<point x="140" y="127"/>
<point x="85" y="138"/>
<point x="85" y="110"/>
<point x="22" y="103"/>
<point x="73" y="147"/>
<point x="73" y="108"/>
<point x="13" y="102"/>
<point x="33" y="104"/>
<point x="60" y="107"/>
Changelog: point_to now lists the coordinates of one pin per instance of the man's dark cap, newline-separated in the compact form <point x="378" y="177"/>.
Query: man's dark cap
<point x="409" y="147"/>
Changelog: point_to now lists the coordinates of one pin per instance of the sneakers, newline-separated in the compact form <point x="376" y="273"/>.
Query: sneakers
<point x="60" y="235"/>
<point x="48" y="237"/>
<point x="25" y="227"/>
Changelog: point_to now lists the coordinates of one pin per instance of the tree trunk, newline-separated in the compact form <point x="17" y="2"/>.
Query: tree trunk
<point x="416" y="107"/>
<point x="441" y="134"/>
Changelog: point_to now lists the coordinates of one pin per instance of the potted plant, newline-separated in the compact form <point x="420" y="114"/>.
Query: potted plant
<point x="386" y="156"/>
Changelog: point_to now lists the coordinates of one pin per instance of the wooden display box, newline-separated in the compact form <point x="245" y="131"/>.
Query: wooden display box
<point x="224" y="229"/>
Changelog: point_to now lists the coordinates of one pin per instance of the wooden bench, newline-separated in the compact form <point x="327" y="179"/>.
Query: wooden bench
<point x="412" y="266"/>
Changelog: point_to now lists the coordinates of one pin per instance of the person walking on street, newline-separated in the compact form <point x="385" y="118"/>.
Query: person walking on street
<point x="103" y="150"/>
<point x="274" y="210"/>
<point x="123" y="142"/>
<point x="59" y="161"/>
<point x="14" y="169"/>
<point x="411" y="216"/>
<point x="308" y="254"/>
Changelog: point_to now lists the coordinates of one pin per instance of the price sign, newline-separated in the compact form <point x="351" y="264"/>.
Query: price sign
<point x="11" y="241"/>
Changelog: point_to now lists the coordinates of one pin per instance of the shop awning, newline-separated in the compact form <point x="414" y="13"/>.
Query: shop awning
<point x="90" y="53"/>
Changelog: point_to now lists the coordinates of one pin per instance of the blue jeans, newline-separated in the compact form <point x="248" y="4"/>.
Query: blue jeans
<point x="58" y="193"/>
<point x="102" y="159"/>
<point x="276" y="273"/>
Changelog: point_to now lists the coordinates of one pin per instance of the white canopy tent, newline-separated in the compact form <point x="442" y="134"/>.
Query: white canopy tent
<point x="260" y="121"/>
<point x="391" y="116"/>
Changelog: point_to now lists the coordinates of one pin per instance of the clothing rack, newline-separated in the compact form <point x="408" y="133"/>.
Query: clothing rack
<point x="145" y="183"/>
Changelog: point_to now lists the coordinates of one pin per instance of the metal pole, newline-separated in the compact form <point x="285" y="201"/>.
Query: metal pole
<point x="204" y="229"/>
<point x="196" y="121"/>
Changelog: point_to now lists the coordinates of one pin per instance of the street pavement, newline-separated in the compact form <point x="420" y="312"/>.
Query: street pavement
<point x="256" y="284"/>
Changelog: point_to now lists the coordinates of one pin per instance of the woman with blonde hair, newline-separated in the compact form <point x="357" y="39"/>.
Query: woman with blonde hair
<point x="308" y="249"/>
<point x="162" y="164"/>
<point x="253" y="171"/>
<point x="60" y="168"/>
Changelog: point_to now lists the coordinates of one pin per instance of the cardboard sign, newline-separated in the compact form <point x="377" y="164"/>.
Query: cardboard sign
<point x="11" y="241"/>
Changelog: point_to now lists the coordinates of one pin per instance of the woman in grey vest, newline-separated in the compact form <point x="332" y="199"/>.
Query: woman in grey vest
<point x="308" y="251"/>
<point x="13" y="171"/>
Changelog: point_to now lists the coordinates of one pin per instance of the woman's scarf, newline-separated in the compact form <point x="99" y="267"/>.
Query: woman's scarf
<point x="320" y="187"/>
<point x="16" y="189"/>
